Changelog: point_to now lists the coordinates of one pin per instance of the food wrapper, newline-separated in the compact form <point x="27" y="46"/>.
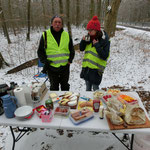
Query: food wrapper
<point x="134" y="115"/>
<point x="114" y="118"/>
<point x="116" y="106"/>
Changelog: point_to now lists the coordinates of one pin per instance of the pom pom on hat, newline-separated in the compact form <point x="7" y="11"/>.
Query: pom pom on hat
<point x="95" y="18"/>
<point x="94" y="24"/>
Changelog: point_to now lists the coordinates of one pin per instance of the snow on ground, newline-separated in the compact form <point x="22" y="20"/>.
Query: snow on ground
<point x="128" y="66"/>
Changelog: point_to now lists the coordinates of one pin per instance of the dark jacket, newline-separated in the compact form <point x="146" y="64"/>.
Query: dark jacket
<point x="102" y="48"/>
<point x="42" y="53"/>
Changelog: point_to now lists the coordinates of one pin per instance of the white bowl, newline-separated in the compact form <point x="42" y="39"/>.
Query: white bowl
<point x="23" y="112"/>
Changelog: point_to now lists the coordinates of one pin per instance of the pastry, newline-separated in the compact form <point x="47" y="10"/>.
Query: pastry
<point x="86" y="104"/>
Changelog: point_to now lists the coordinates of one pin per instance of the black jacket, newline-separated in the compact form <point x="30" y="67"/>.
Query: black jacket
<point x="42" y="53"/>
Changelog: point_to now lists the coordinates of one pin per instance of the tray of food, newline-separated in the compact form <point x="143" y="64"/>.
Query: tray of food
<point x="98" y="94"/>
<point x="127" y="99"/>
<point x="81" y="116"/>
<point x="69" y="99"/>
<point x="124" y="116"/>
<point x="85" y="104"/>
<point x="105" y="98"/>
<point x="113" y="91"/>
<point x="62" y="111"/>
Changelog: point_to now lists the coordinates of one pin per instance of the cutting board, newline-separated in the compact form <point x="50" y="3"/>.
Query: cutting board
<point x="120" y="127"/>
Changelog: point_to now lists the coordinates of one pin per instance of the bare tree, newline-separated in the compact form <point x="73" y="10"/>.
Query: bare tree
<point x="4" y="26"/>
<point x="53" y="10"/>
<point x="11" y="17"/>
<point x="29" y="7"/>
<point x="44" y="14"/>
<point x="77" y="13"/>
<point x="2" y="61"/>
<point x="60" y="7"/>
<point x="111" y="17"/>
<point x="99" y="9"/>
<point x="68" y="17"/>
<point x="92" y="8"/>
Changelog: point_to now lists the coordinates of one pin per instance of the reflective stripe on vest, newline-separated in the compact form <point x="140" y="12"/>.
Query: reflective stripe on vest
<point x="92" y="59"/>
<point x="58" y="55"/>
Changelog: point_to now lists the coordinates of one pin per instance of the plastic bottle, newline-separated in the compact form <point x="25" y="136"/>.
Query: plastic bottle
<point x="96" y="104"/>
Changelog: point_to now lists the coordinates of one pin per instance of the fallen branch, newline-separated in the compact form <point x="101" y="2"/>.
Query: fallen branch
<point x="30" y="63"/>
<point x="25" y="65"/>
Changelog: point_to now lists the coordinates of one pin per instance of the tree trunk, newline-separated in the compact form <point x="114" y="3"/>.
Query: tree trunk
<point x="2" y="61"/>
<point x="78" y="13"/>
<point x="68" y="17"/>
<point x="53" y="7"/>
<point x="111" y="18"/>
<point x="4" y="26"/>
<point x="60" y="7"/>
<point x="92" y="8"/>
<point x="44" y="13"/>
<point x="29" y="6"/>
<point x="99" y="9"/>
<point x="11" y="16"/>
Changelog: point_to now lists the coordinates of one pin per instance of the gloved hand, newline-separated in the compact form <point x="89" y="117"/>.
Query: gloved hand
<point x="46" y="66"/>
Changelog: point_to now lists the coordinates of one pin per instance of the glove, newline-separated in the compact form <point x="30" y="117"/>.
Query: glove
<point x="46" y="66"/>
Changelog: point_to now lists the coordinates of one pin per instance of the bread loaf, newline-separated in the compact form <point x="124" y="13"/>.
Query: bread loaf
<point x="134" y="115"/>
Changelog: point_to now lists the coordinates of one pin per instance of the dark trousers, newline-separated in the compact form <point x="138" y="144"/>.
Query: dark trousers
<point x="59" y="77"/>
<point x="89" y="86"/>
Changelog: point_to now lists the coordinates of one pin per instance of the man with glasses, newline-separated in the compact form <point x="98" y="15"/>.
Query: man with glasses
<point x="56" y="51"/>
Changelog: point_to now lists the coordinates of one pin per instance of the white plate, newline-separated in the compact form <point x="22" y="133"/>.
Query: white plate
<point x="23" y="111"/>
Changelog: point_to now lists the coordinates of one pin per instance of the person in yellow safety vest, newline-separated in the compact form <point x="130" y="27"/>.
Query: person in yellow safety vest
<point x="56" y="51"/>
<point x="96" y="46"/>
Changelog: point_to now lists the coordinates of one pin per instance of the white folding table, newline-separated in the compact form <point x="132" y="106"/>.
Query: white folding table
<point x="95" y="124"/>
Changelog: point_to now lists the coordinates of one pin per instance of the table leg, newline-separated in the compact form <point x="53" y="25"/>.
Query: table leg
<point x="14" y="141"/>
<point x="131" y="142"/>
<point x="21" y="134"/>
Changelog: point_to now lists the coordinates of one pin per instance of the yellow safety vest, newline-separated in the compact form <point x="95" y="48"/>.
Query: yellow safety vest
<point x="92" y="60"/>
<point x="58" y="55"/>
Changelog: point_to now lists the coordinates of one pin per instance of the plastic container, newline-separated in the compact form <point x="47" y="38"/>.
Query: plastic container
<point x="127" y="99"/>
<point x="62" y="111"/>
<point x="49" y="104"/>
<point x="96" y="104"/>
<point x="47" y="117"/>
<point x="40" y="110"/>
<point x="114" y="92"/>
<point x="77" y="122"/>
<point x="98" y="94"/>
<point x="106" y="97"/>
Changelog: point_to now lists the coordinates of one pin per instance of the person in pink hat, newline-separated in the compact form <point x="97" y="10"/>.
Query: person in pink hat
<point x="96" y="46"/>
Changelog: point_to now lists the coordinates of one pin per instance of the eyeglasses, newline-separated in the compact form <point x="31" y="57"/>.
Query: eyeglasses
<point x="90" y="30"/>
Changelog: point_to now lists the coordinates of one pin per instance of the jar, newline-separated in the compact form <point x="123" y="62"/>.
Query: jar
<point x="49" y="104"/>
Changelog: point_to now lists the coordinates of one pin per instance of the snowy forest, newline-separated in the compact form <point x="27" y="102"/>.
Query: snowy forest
<point x="127" y="23"/>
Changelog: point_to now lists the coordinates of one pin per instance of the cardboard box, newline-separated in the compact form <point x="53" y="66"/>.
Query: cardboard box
<point x="41" y="92"/>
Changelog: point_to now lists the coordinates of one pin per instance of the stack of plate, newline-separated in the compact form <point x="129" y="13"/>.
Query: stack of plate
<point x="24" y="112"/>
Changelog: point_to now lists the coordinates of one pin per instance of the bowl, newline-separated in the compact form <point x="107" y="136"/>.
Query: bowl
<point x="23" y="112"/>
